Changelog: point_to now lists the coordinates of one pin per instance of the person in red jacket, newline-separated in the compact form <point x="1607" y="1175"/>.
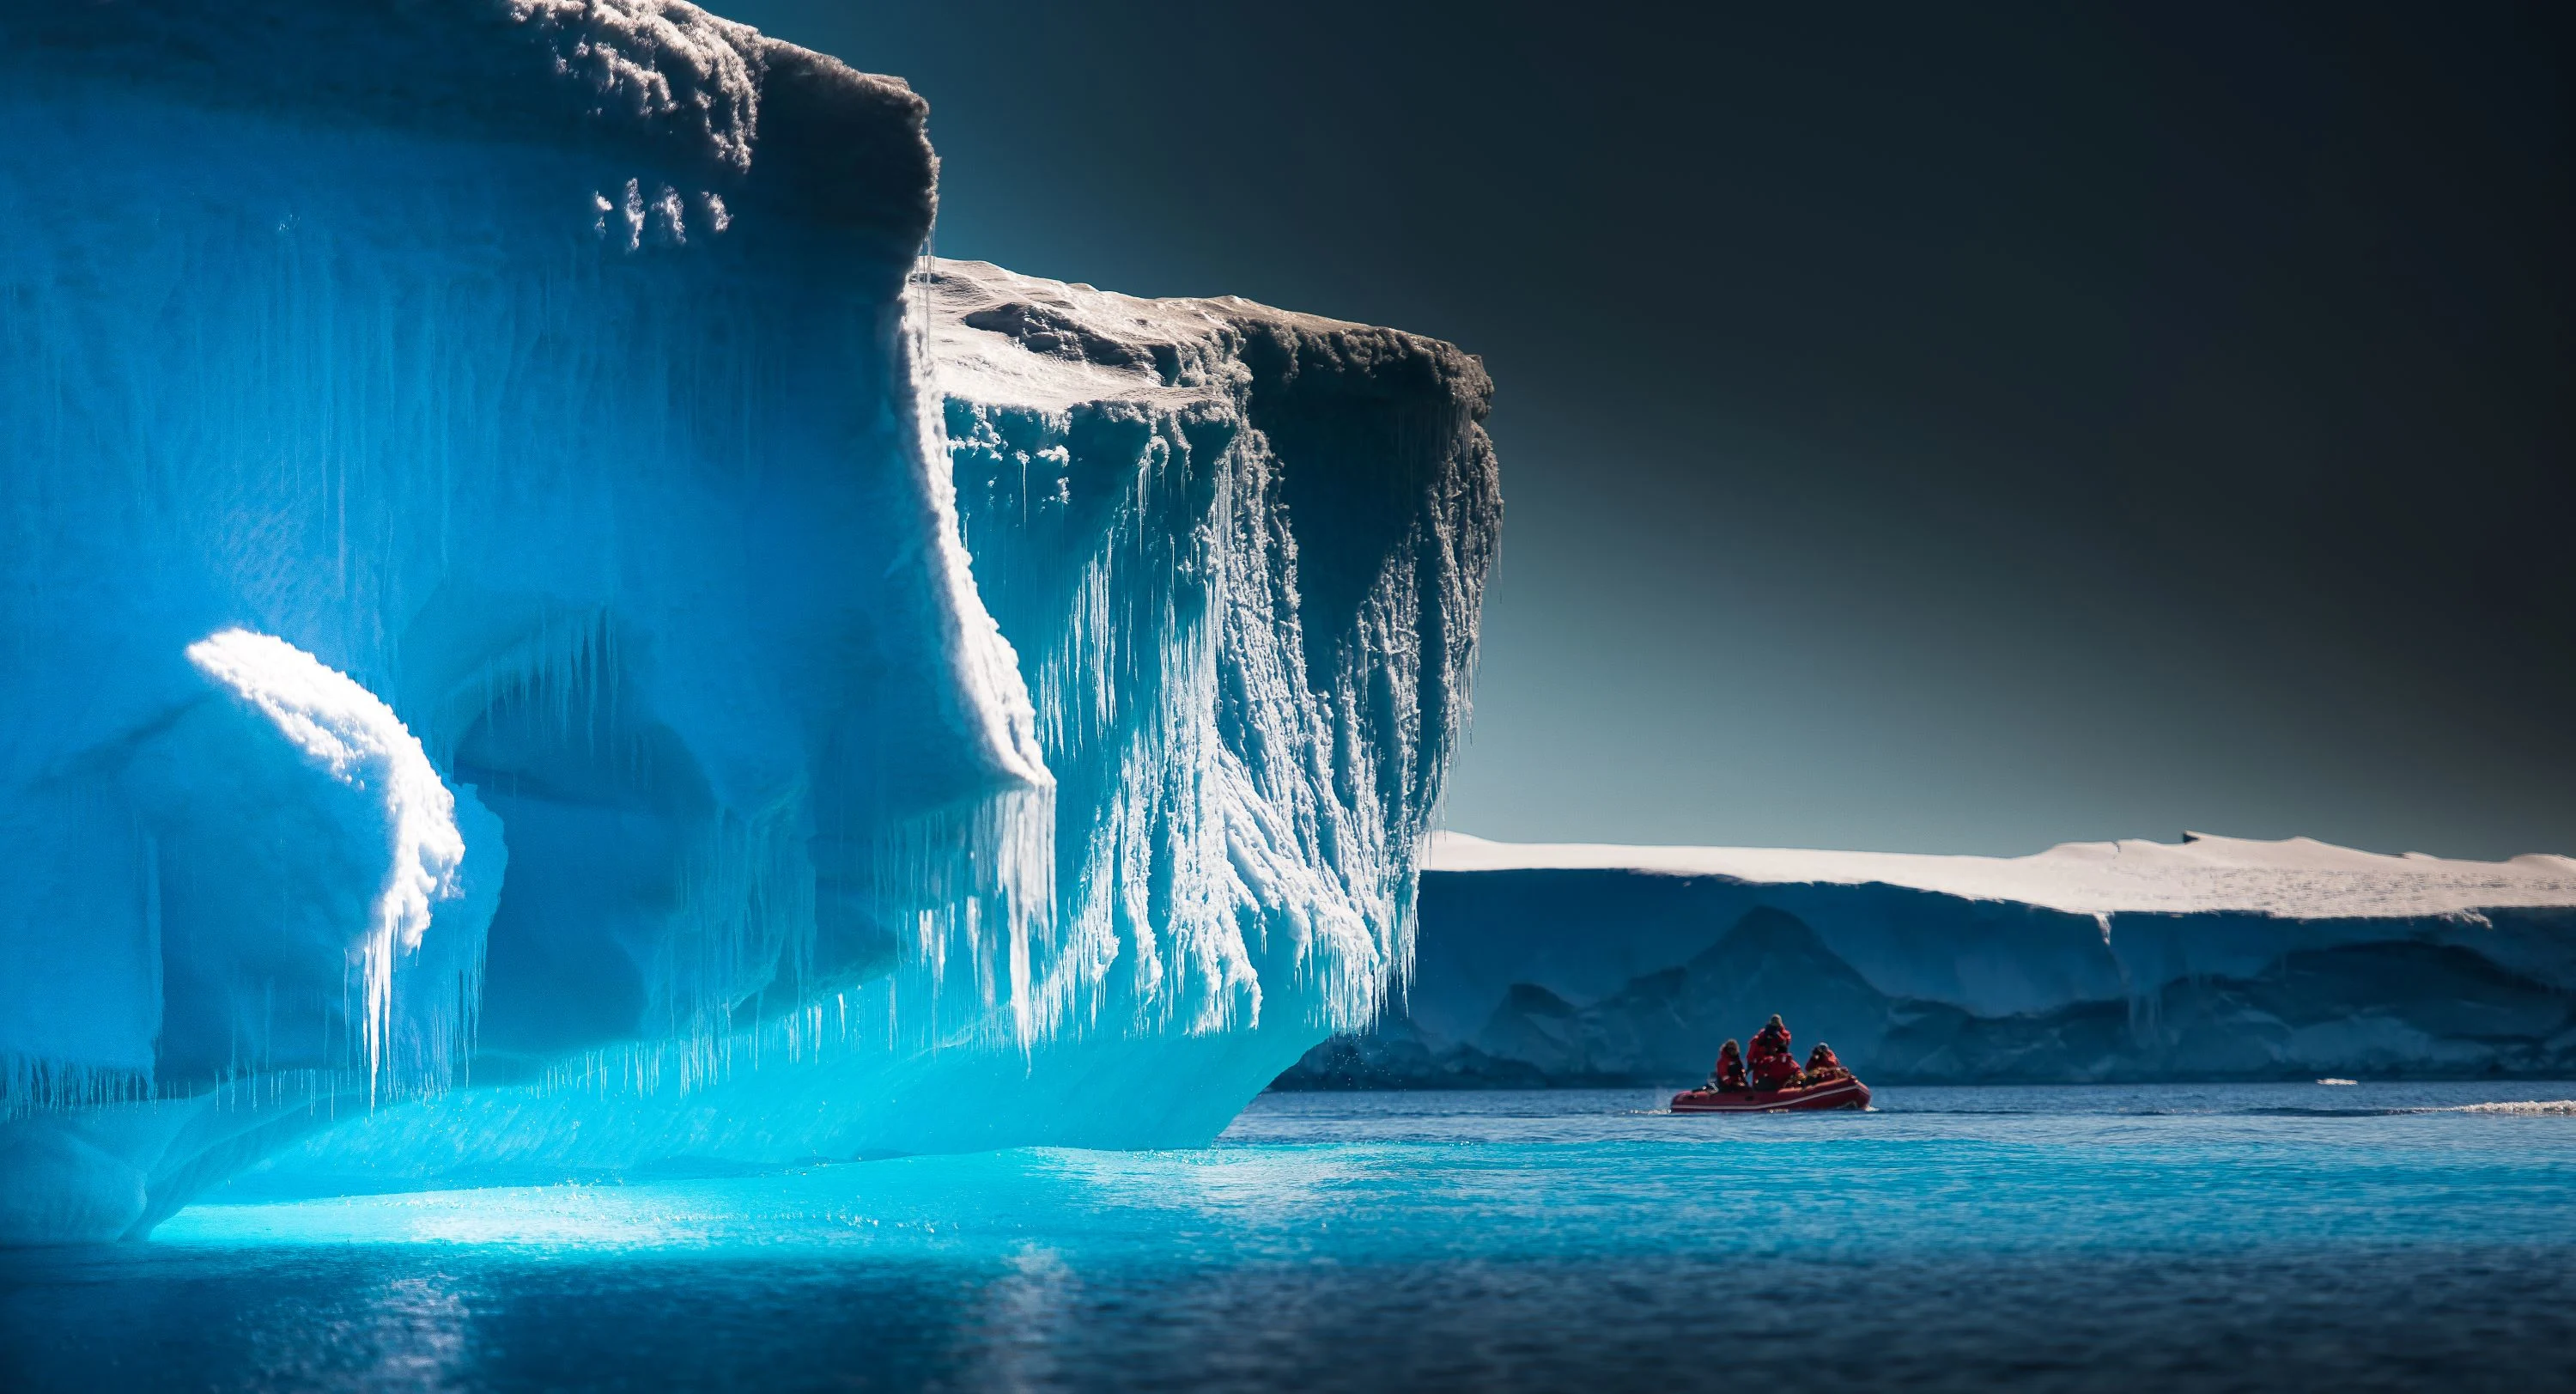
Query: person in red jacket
<point x="1728" y="1072"/>
<point x="1823" y="1065"/>
<point x="1772" y="1065"/>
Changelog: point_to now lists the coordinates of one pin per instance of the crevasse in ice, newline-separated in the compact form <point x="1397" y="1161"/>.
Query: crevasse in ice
<point x="538" y="635"/>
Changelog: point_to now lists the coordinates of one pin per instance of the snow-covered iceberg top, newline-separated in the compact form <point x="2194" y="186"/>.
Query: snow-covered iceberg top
<point x="2295" y="877"/>
<point x="1007" y="339"/>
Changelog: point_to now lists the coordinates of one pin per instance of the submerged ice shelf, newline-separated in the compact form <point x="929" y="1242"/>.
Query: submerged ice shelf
<point x="689" y="678"/>
<point x="2213" y="958"/>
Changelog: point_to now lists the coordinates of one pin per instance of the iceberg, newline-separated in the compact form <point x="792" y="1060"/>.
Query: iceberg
<point x="541" y="636"/>
<point x="2210" y="959"/>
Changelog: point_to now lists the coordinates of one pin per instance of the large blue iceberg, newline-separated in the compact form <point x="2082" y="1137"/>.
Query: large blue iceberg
<point x="540" y="636"/>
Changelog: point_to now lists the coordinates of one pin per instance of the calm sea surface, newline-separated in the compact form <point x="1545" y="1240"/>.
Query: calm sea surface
<point x="2171" y="1237"/>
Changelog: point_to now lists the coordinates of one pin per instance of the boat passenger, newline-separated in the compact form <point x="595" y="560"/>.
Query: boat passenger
<point x="1728" y="1072"/>
<point x="1772" y="1064"/>
<point x="1823" y="1065"/>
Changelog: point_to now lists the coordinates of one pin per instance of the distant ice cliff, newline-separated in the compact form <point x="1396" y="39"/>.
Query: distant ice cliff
<point x="2213" y="958"/>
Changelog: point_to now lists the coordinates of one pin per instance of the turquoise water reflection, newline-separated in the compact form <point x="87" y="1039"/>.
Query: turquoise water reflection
<point x="1967" y="1237"/>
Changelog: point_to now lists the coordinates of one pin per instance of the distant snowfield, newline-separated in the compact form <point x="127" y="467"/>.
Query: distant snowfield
<point x="2297" y="877"/>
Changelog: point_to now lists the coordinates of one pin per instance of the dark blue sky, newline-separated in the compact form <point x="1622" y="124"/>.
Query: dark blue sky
<point x="1921" y="430"/>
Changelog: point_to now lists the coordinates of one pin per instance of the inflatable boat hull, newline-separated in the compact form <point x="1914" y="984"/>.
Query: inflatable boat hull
<point x="1841" y="1093"/>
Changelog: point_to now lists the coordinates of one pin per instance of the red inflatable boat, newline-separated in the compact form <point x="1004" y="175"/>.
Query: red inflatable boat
<point x="1846" y="1092"/>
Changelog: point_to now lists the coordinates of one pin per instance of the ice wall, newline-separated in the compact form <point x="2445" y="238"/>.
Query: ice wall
<point x="1241" y="553"/>
<point x="500" y="462"/>
<point x="2214" y="958"/>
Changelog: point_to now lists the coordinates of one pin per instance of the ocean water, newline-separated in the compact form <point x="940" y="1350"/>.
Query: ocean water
<point x="2167" y="1237"/>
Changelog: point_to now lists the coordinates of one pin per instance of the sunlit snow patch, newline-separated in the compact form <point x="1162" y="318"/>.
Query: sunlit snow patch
<point x="344" y="732"/>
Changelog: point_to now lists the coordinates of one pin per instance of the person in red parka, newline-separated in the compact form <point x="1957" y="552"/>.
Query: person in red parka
<point x="1824" y="1065"/>
<point x="1772" y="1065"/>
<point x="1728" y="1073"/>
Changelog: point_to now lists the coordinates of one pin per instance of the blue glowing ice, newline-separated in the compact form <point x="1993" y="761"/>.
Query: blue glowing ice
<point x="497" y="685"/>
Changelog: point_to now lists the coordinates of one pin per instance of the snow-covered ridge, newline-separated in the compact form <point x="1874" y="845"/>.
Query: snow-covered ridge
<point x="2297" y="876"/>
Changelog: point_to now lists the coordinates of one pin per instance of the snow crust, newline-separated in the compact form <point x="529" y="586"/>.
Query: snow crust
<point x="652" y="64"/>
<point x="2298" y="876"/>
<point x="506" y="555"/>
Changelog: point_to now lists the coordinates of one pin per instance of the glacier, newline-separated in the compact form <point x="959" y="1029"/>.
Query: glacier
<point x="542" y="636"/>
<point x="2214" y="958"/>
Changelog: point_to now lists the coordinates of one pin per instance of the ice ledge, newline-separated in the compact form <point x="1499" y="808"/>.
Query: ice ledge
<point x="1006" y="339"/>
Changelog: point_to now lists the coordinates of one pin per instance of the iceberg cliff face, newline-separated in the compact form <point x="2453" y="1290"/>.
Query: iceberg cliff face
<point x="498" y="622"/>
<point x="1241" y="553"/>
<point x="2216" y="958"/>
